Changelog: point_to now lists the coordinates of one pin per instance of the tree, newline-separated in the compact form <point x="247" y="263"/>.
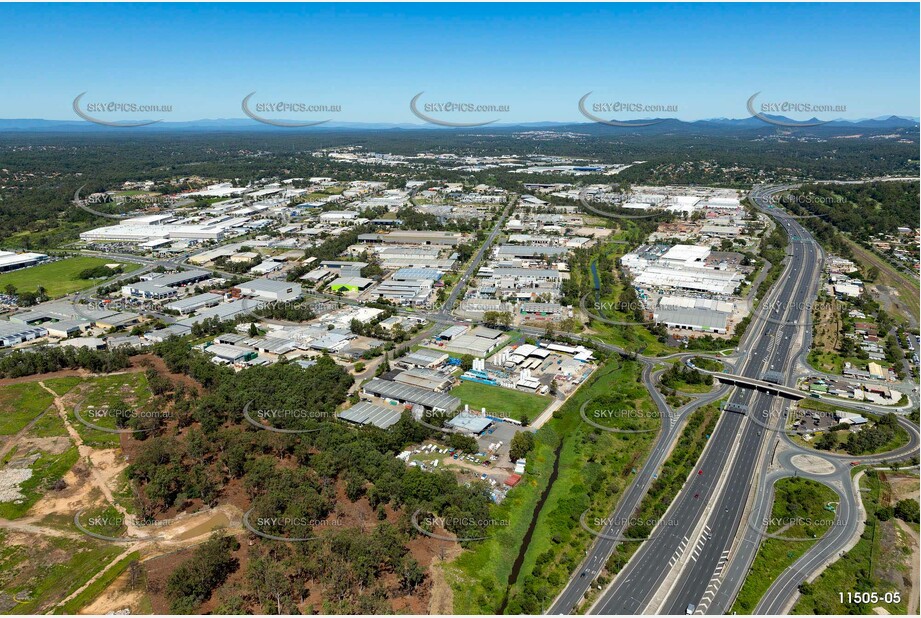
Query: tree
<point x="253" y="331"/>
<point x="907" y="510"/>
<point x="522" y="443"/>
<point x="828" y="441"/>
<point x="466" y="362"/>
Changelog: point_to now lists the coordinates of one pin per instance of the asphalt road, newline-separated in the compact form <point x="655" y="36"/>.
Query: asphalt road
<point x="704" y="518"/>
<point x="610" y="535"/>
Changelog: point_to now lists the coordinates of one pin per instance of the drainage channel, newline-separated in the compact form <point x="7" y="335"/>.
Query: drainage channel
<point x="526" y="541"/>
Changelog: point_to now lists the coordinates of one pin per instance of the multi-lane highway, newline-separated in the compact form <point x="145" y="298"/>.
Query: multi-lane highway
<point x="680" y="566"/>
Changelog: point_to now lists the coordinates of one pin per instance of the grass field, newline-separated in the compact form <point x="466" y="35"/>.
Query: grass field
<point x="120" y="395"/>
<point x="501" y="401"/>
<point x="481" y="574"/>
<point x="58" y="278"/>
<point x="19" y="404"/>
<point x="51" y="569"/>
<point x="97" y="587"/>
<point x="702" y="362"/>
<point x="798" y="512"/>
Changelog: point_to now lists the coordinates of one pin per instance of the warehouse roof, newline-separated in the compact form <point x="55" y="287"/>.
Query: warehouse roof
<point x="469" y="422"/>
<point x="424" y="357"/>
<point x="367" y="413"/>
<point x="191" y="302"/>
<point x="412" y="394"/>
<point x="266" y="285"/>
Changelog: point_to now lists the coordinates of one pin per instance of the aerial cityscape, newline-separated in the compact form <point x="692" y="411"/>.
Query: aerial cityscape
<point x="460" y="308"/>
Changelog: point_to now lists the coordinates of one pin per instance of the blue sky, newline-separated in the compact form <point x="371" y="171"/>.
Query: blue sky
<point x="538" y="59"/>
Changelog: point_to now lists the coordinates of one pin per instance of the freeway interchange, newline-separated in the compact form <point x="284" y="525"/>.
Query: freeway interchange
<point x="696" y="559"/>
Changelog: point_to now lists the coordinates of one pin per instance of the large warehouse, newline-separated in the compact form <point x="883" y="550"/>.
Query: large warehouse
<point x="14" y="261"/>
<point x="12" y="333"/>
<point x="413" y="395"/>
<point x="697" y="314"/>
<point x="679" y="267"/>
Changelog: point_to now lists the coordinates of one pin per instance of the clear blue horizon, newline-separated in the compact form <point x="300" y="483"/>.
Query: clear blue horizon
<point x="697" y="60"/>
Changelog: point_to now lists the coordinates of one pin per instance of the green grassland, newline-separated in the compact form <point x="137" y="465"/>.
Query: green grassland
<point x="594" y="469"/>
<point x="58" y="278"/>
<point x="501" y="401"/>
<point x="44" y="574"/>
<point x="800" y="502"/>
<point x="120" y="392"/>
<point x="19" y="404"/>
<point x="89" y="594"/>
<point x="62" y="386"/>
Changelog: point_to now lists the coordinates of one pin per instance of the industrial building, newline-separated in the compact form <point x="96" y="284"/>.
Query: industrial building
<point x="679" y="267"/>
<point x="367" y="413"/>
<point x="163" y="286"/>
<point x="13" y="261"/>
<point x="425" y="378"/>
<point x="411" y="395"/>
<point x="425" y="237"/>
<point x="428" y="359"/>
<point x="351" y="284"/>
<point x="191" y="304"/>
<point x="528" y="252"/>
<point x="12" y="333"/>
<point x="469" y="423"/>
<point x="697" y="314"/>
<point x="270" y="290"/>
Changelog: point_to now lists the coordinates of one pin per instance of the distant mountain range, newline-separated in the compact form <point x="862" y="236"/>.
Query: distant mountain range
<point x="663" y="125"/>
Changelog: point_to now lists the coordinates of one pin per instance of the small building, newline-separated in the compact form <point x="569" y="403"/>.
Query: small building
<point x="231" y="353"/>
<point x="876" y="371"/>
<point x="469" y="423"/>
<point x="425" y="378"/>
<point x="350" y="284"/>
<point x="66" y="328"/>
<point x="428" y="359"/>
<point x="12" y="333"/>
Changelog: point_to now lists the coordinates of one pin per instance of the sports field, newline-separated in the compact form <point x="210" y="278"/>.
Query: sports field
<point x="58" y="278"/>
<point x="501" y="401"/>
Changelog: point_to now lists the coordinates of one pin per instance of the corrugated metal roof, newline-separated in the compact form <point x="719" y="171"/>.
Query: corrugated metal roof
<point x="367" y="413"/>
<point x="412" y="394"/>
